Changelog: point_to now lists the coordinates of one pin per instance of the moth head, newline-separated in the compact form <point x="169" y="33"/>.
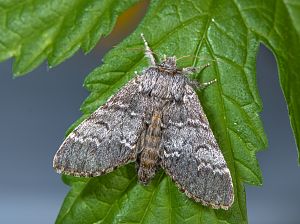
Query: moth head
<point x="168" y="63"/>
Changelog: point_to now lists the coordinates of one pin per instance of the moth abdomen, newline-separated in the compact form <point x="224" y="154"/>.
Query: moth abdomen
<point x="148" y="164"/>
<point x="150" y="149"/>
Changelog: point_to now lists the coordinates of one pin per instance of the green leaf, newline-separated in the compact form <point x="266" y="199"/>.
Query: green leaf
<point x="32" y="31"/>
<point x="226" y="33"/>
<point x="277" y="23"/>
<point x="213" y="31"/>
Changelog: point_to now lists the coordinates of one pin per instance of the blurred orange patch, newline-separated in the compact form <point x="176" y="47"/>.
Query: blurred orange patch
<point x="126" y="23"/>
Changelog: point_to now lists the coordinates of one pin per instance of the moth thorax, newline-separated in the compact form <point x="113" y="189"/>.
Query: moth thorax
<point x="149" y="157"/>
<point x="169" y="62"/>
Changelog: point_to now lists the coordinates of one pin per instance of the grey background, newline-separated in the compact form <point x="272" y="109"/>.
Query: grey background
<point x="36" y="110"/>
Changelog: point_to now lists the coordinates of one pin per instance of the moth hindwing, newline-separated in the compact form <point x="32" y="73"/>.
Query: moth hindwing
<point x="157" y="121"/>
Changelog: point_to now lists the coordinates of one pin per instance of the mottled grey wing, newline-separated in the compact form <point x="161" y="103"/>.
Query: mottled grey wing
<point x="107" y="139"/>
<point x="191" y="155"/>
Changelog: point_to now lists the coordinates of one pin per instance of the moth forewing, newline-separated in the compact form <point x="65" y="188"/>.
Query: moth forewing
<point x="107" y="139"/>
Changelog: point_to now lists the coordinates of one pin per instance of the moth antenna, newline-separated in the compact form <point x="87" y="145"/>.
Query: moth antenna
<point x="139" y="49"/>
<point x="148" y="51"/>
<point x="192" y="56"/>
<point x="134" y="48"/>
<point x="186" y="56"/>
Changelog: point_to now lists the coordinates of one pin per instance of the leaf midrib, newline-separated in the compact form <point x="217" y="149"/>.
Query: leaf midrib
<point x="152" y="196"/>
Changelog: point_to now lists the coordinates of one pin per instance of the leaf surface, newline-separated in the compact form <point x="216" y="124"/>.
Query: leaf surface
<point x="227" y="34"/>
<point x="35" y="30"/>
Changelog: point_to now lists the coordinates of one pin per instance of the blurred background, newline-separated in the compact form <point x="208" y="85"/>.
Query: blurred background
<point x="38" y="108"/>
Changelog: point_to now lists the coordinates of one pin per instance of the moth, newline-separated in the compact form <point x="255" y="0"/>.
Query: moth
<point x="156" y="120"/>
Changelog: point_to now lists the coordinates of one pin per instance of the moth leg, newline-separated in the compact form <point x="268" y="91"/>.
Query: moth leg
<point x="147" y="119"/>
<point x="194" y="83"/>
<point x="190" y="70"/>
<point x="201" y="86"/>
<point x="206" y="84"/>
<point x="161" y="152"/>
<point x="202" y="68"/>
<point x="148" y="51"/>
<point x="139" y="148"/>
<point x="141" y="142"/>
<point x="193" y="70"/>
